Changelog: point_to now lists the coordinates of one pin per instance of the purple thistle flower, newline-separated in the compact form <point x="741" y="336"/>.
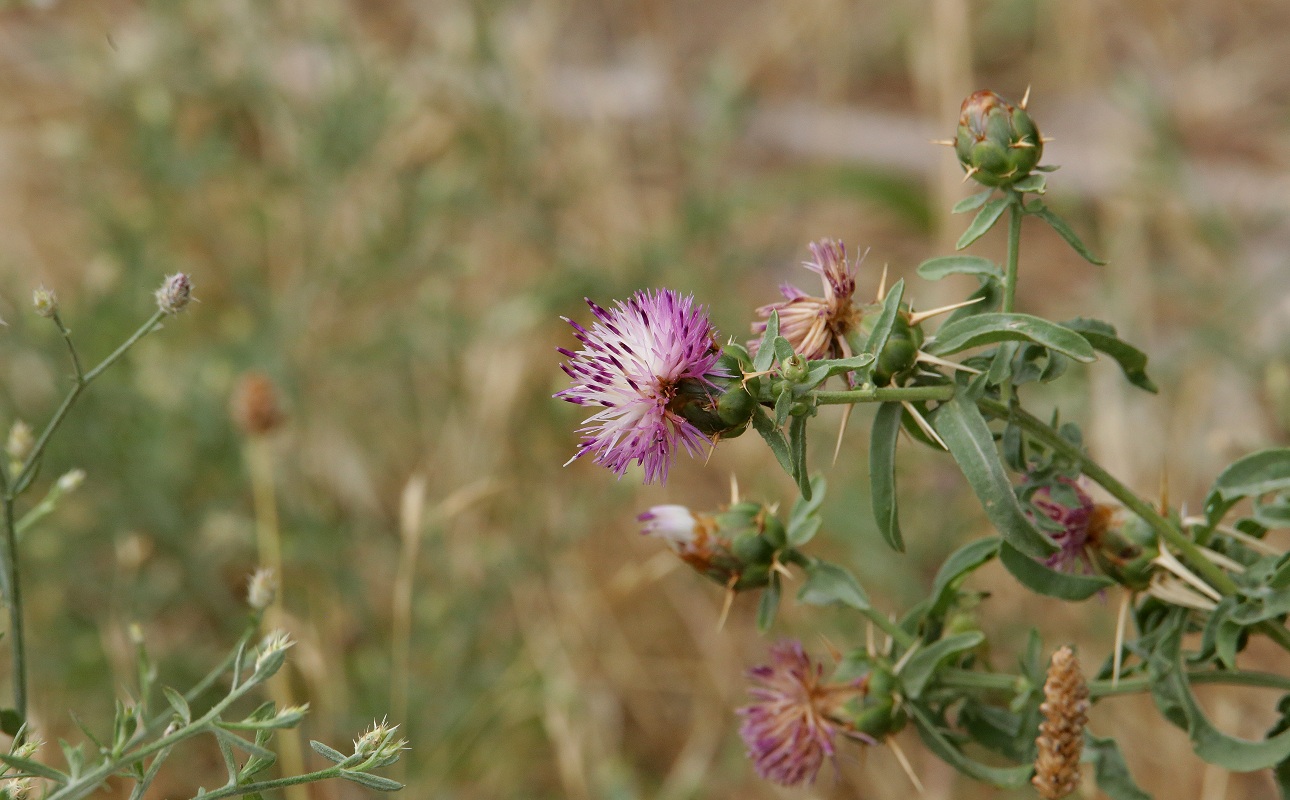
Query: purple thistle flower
<point x="817" y="327"/>
<point x="790" y="726"/>
<point x="1076" y="523"/>
<point x="632" y="363"/>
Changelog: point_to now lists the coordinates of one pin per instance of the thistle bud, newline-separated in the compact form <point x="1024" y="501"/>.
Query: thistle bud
<point x="997" y="144"/>
<point x="899" y="354"/>
<point x="736" y="548"/>
<point x="45" y="302"/>
<point x="175" y="293"/>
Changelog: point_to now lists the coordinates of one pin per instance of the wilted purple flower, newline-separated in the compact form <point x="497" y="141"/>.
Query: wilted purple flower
<point x="632" y="363"/>
<point x="1076" y="526"/>
<point x="817" y="327"/>
<point x="790" y="726"/>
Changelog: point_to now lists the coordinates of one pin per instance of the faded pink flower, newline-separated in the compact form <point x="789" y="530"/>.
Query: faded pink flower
<point x="817" y="327"/>
<point x="1076" y="527"/>
<point x="790" y="727"/>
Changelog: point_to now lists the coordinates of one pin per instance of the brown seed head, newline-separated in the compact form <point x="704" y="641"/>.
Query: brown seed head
<point x="254" y="405"/>
<point x="1061" y="734"/>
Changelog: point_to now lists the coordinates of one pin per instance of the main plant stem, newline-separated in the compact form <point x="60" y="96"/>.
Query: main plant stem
<point x="1010" y="273"/>
<point x="885" y="394"/>
<point x="9" y="572"/>
<point x="1003" y="682"/>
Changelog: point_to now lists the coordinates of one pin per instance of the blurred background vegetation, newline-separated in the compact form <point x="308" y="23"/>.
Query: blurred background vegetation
<point x="386" y="206"/>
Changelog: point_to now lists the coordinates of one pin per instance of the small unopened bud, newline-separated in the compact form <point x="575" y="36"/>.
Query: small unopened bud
<point x="273" y="652"/>
<point x="71" y="480"/>
<point x="174" y="294"/>
<point x="45" y="302"/>
<point x="1061" y="734"/>
<point x="290" y="716"/>
<point x="20" y="441"/>
<point x="262" y="588"/>
<point x="997" y="143"/>
<point x="255" y="406"/>
<point x="379" y="742"/>
<point x="17" y="788"/>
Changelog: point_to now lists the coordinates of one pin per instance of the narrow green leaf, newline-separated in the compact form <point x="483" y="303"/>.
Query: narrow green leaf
<point x="1132" y="361"/>
<point x="769" y="605"/>
<point x="882" y="473"/>
<point x="1058" y="224"/>
<point x="806" y="508"/>
<point x="1256" y="474"/>
<point x="958" y="565"/>
<point x="331" y="754"/>
<point x="1031" y="183"/>
<point x="972" y="202"/>
<point x="930" y="733"/>
<point x="922" y="665"/>
<point x="774" y="438"/>
<point x="933" y="269"/>
<point x="964" y="431"/>
<point x="882" y="326"/>
<point x="371" y="781"/>
<point x="1112" y="773"/>
<point x="34" y="768"/>
<point x="178" y="703"/>
<point x="243" y="744"/>
<point x="824" y="369"/>
<point x="1040" y="578"/>
<point x="828" y="583"/>
<point x="984" y="221"/>
<point x="982" y="329"/>
<point x="765" y="348"/>
<point x="797" y="447"/>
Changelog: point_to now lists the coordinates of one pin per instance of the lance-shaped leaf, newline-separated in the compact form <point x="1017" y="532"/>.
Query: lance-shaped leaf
<point x="886" y="318"/>
<point x="972" y="202"/>
<point x="371" y="781"/>
<point x="1031" y="183"/>
<point x="774" y="437"/>
<point x="1110" y="770"/>
<point x="882" y="473"/>
<point x="330" y="753"/>
<point x="984" y="221"/>
<point x="933" y="269"/>
<point x="797" y="450"/>
<point x="766" y="347"/>
<point x="1256" y="474"/>
<point x="1132" y="361"/>
<point x="769" y="605"/>
<point x="1039" y="209"/>
<point x="828" y="583"/>
<point x="1174" y="698"/>
<point x="826" y="368"/>
<point x="961" y="562"/>
<point x="964" y="431"/>
<point x="1040" y="578"/>
<point x="922" y="665"/>
<point x="36" y="768"/>
<point x="982" y="329"/>
<point x="938" y="743"/>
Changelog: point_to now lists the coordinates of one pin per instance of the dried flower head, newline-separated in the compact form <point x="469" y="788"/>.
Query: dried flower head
<point x="632" y="365"/>
<point x="175" y="293"/>
<point x="1061" y="734"/>
<point x="791" y="725"/>
<point x="255" y="406"/>
<point x="45" y="302"/>
<point x="817" y="327"/>
<point x="1080" y="524"/>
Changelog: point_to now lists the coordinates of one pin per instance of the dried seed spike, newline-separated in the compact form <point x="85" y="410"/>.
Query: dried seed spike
<point x="1061" y="734"/>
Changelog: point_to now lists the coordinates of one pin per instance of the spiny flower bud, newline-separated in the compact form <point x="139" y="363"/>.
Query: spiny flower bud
<point x="175" y="292"/>
<point x="1061" y="734"/>
<point x="262" y="588"/>
<point x="736" y="548"/>
<point x="997" y="144"/>
<point x="45" y="302"/>
<point x="378" y="742"/>
<point x="273" y="651"/>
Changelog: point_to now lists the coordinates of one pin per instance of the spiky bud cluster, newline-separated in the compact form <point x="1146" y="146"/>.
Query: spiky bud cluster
<point x="1061" y="734"/>
<point x="997" y="143"/>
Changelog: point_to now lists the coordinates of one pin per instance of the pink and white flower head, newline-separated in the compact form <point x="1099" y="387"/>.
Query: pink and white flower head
<point x="632" y="364"/>
<point x="790" y="727"/>
<point x="817" y="327"/>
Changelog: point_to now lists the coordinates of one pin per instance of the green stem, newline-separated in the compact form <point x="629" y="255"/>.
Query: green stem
<point x="13" y="598"/>
<point x="1010" y="273"/>
<point x="874" y="394"/>
<point x="1003" y="682"/>
<point x="276" y="783"/>
<point x="71" y="348"/>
